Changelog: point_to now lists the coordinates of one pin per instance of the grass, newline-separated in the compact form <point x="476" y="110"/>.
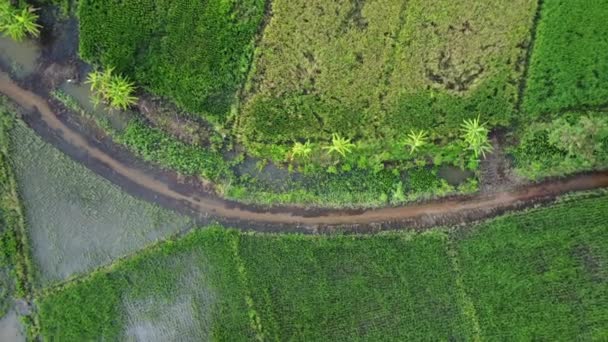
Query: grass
<point x="538" y="275"/>
<point x="194" y="52"/>
<point x="570" y="57"/>
<point x="76" y="220"/>
<point x="370" y="70"/>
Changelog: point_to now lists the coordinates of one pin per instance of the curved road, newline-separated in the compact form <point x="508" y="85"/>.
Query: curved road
<point x="171" y="192"/>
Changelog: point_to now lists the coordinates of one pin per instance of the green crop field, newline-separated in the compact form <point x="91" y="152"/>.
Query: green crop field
<point x="570" y="59"/>
<point x="538" y="275"/>
<point x="78" y="221"/>
<point x="541" y="275"/>
<point x="195" y="52"/>
<point x="379" y="69"/>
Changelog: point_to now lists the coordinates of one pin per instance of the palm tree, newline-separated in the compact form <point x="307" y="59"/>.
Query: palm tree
<point x="339" y="145"/>
<point x="17" y="24"/>
<point x="416" y="140"/>
<point x="475" y="134"/>
<point x="300" y="150"/>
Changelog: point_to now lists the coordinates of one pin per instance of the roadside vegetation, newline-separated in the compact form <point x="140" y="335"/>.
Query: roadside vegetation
<point x="532" y="275"/>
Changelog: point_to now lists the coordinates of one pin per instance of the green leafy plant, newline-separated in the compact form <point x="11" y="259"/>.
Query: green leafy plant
<point x="300" y="150"/>
<point x="115" y="90"/>
<point x="18" y="23"/>
<point x="339" y="145"/>
<point x="475" y="135"/>
<point x="416" y="140"/>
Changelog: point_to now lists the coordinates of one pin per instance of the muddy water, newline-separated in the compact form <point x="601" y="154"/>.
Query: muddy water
<point x="204" y="204"/>
<point x="454" y="175"/>
<point x="20" y="58"/>
<point x="82" y="94"/>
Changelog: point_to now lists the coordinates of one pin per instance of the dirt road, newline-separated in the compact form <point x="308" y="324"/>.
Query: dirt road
<point x="168" y="190"/>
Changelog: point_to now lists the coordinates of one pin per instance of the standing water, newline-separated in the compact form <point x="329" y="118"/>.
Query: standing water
<point x="21" y="59"/>
<point x="83" y="95"/>
<point x="454" y="175"/>
<point x="10" y="328"/>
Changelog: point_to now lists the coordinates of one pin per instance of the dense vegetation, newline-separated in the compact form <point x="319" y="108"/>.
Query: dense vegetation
<point x="570" y="58"/>
<point x="541" y="275"/>
<point x="534" y="275"/>
<point x="568" y="143"/>
<point x="195" y="52"/>
<point x="378" y="69"/>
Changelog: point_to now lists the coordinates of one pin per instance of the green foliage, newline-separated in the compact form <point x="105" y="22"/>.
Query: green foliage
<point x="416" y="140"/>
<point x="195" y="52"/>
<point x="366" y="69"/>
<point x="475" y="135"/>
<point x="18" y="23"/>
<point x="532" y="275"/>
<point x="339" y="145"/>
<point x="115" y="90"/>
<point x="570" y="57"/>
<point x="160" y="274"/>
<point x="381" y="283"/>
<point x="540" y="275"/>
<point x="157" y="146"/>
<point x="570" y="143"/>
<point x="301" y="151"/>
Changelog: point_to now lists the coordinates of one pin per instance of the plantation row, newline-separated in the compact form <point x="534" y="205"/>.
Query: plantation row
<point x="536" y="275"/>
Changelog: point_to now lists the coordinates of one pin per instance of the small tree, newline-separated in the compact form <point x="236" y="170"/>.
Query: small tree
<point x="339" y="145"/>
<point x="115" y="90"/>
<point x="475" y="134"/>
<point x="17" y="24"/>
<point x="416" y="140"/>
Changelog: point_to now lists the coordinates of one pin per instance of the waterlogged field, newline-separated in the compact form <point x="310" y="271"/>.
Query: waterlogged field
<point x="535" y="275"/>
<point x="76" y="220"/>
<point x="370" y="69"/>
<point x="188" y="290"/>
<point x="570" y="58"/>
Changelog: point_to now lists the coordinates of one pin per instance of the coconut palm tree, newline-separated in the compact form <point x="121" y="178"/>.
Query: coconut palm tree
<point x="416" y="140"/>
<point x="475" y="134"/>
<point x="339" y="145"/>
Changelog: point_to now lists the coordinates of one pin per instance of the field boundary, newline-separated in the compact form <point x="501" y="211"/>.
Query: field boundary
<point x="523" y="82"/>
<point x="466" y="304"/>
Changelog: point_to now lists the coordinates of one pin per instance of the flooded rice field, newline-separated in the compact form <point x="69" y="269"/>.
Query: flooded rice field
<point x="78" y="221"/>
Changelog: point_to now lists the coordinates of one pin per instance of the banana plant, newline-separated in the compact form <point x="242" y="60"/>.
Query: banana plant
<point x="339" y="145"/>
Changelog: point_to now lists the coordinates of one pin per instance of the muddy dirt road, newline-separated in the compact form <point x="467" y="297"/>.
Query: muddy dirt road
<point x="168" y="190"/>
